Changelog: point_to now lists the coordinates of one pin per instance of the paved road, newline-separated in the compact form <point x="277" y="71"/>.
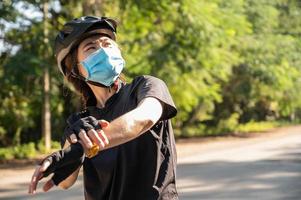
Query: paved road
<point x="266" y="167"/>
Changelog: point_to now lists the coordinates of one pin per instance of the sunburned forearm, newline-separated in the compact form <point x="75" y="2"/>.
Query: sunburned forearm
<point x="126" y="128"/>
<point x="133" y="123"/>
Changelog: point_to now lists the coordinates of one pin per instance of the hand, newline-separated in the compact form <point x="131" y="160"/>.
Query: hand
<point x="37" y="176"/>
<point x="62" y="163"/>
<point x="88" y="130"/>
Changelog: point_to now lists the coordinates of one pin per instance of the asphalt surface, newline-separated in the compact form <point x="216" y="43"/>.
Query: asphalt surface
<point x="265" y="167"/>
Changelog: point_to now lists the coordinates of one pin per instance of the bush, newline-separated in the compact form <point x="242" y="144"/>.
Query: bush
<point x="21" y="151"/>
<point x="54" y="146"/>
<point x="256" y="127"/>
<point x="25" y="151"/>
<point x="6" y="153"/>
<point x="28" y="150"/>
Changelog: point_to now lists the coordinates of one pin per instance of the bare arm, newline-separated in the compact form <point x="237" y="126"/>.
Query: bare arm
<point x="125" y="128"/>
<point x="133" y="123"/>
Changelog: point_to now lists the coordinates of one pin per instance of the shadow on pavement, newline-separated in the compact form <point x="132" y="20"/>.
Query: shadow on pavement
<point x="278" y="178"/>
<point x="76" y="192"/>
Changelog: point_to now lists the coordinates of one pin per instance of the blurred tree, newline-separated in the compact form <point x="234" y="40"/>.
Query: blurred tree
<point x="264" y="85"/>
<point x="46" y="115"/>
<point x="225" y="62"/>
<point x="92" y="7"/>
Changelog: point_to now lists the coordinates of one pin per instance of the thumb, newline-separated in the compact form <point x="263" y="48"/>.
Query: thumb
<point x="103" y="123"/>
<point x="48" y="185"/>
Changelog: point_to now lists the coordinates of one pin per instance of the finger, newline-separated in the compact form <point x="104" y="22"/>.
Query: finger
<point x="48" y="185"/>
<point x="34" y="180"/>
<point x="93" y="135"/>
<point x="73" y="138"/>
<point x="85" y="139"/>
<point x="86" y="125"/>
<point x="103" y="123"/>
<point x="103" y="136"/>
<point x="92" y="122"/>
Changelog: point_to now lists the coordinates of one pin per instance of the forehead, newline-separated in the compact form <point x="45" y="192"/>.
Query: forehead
<point x="93" y="38"/>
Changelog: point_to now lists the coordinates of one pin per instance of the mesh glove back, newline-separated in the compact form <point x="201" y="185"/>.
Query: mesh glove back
<point x="64" y="162"/>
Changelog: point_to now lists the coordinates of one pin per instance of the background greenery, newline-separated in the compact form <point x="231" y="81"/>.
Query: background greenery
<point x="231" y="65"/>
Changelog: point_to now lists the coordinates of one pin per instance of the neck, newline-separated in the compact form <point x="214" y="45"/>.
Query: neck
<point x="102" y="94"/>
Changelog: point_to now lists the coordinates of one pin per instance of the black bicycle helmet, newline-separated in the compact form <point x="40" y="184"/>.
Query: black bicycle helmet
<point x="78" y="29"/>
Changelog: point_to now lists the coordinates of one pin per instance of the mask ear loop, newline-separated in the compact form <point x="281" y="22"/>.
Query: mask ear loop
<point x="117" y="85"/>
<point x="74" y="74"/>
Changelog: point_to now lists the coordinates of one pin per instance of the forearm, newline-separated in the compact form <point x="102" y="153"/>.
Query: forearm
<point x="133" y="123"/>
<point x="126" y="128"/>
<point x="70" y="180"/>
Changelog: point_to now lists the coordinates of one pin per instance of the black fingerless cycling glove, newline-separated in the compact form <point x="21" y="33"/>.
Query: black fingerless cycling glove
<point x="71" y="156"/>
<point x="76" y="123"/>
<point x="64" y="162"/>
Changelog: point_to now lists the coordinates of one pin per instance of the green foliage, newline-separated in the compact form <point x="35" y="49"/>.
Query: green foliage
<point x="28" y="150"/>
<point x="21" y="151"/>
<point x="25" y="151"/>
<point x="252" y="127"/>
<point x="229" y="65"/>
<point x="54" y="146"/>
<point x="6" y="153"/>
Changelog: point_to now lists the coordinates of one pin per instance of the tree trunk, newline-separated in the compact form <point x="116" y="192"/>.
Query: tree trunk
<point x="46" y="115"/>
<point x="92" y="7"/>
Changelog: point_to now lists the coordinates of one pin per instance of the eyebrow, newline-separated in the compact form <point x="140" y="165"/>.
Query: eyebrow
<point x="89" y="40"/>
<point x="88" y="43"/>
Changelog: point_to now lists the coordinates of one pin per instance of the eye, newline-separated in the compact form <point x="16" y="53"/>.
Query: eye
<point x="91" y="47"/>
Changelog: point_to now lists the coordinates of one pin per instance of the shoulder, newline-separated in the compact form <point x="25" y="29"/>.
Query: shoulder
<point x="149" y="86"/>
<point x="146" y="79"/>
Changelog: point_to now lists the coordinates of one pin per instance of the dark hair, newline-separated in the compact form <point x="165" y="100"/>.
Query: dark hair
<point x="81" y="86"/>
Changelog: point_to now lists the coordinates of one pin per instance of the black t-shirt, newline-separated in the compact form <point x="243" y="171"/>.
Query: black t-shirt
<point x="143" y="168"/>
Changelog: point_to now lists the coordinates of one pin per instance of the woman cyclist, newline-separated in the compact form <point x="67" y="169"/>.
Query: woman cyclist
<point x="129" y="123"/>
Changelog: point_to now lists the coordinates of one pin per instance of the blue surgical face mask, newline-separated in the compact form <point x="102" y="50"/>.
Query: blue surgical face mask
<point x="104" y="65"/>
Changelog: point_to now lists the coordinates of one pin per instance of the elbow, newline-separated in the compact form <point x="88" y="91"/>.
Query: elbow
<point x="136" y="128"/>
<point x="146" y="125"/>
<point x="149" y="124"/>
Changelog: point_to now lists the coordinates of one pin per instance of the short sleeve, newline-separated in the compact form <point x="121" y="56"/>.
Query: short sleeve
<point x="150" y="86"/>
